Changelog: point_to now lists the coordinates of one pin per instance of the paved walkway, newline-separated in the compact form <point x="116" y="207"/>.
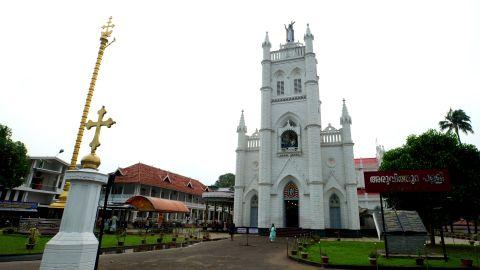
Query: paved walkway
<point x="222" y="254"/>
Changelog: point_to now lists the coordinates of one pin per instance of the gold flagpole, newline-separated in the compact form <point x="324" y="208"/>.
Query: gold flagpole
<point x="104" y="43"/>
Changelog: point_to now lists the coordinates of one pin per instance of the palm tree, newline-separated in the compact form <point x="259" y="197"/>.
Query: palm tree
<point x="455" y="121"/>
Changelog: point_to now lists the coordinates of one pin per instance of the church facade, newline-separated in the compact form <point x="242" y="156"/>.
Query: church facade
<point x="294" y="172"/>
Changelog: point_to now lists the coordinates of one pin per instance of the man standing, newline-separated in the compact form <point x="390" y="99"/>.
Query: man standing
<point x="231" y="230"/>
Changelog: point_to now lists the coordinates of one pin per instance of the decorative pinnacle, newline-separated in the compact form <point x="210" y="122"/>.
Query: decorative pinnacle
<point x="107" y="28"/>
<point x="267" y="40"/>
<point x="308" y="33"/>
<point x="345" y="119"/>
<point x="241" y="124"/>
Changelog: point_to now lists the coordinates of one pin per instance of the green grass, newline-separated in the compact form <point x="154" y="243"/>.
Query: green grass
<point x="356" y="253"/>
<point x="15" y="243"/>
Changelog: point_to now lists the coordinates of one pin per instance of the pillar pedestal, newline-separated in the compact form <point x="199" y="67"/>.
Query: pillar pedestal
<point x="75" y="246"/>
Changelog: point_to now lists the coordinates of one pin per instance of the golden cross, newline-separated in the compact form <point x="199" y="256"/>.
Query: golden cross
<point x="107" y="28"/>
<point x="98" y="125"/>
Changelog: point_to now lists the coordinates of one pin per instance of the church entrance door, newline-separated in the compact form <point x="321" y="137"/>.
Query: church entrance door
<point x="254" y="211"/>
<point x="291" y="213"/>
<point x="335" y="216"/>
<point x="291" y="204"/>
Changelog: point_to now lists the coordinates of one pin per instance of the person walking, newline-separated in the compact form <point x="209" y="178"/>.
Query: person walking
<point x="273" y="233"/>
<point x="231" y="230"/>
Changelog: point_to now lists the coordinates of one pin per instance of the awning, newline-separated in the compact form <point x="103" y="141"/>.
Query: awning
<point x="145" y="203"/>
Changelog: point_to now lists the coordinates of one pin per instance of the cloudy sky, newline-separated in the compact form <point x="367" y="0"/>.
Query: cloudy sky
<point x="180" y="72"/>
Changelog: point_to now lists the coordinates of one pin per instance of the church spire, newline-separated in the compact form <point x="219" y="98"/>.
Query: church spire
<point x="241" y="125"/>
<point x="345" y="119"/>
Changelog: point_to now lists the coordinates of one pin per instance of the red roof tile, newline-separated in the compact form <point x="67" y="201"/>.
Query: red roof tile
<point x="148" y="175"/>
<point x="366" y="161"/>
<point x="362" y="191"/>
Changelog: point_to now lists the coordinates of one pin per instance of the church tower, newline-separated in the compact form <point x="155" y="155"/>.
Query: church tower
<point x="291" y="173"/>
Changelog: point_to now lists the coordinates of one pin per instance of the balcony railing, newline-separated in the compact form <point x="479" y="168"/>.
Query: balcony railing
<point x="41" y="186"/>
<point x="287" y="53"/>
<point x="331" y="137"/>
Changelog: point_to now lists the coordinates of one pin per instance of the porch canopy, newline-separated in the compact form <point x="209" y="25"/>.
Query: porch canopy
<point x="152" y="204"/>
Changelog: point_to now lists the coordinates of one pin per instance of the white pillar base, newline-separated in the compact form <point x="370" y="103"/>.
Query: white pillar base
<point x="70" y="251"/>
<point x="75" y="246"/>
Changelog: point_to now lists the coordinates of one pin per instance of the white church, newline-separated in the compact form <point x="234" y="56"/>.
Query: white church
<point x="294" y="172"/>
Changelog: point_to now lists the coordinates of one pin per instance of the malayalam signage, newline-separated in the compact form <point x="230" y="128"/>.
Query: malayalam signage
<point x="18" y="206"/>
<point x="408" y="181"/>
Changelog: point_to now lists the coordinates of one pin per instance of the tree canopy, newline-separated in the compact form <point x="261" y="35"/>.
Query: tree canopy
<point x="13" y="160"/>
<point x="456" y="121"/>
<point x="436" y="150"/>
<point x="226" y="180"/>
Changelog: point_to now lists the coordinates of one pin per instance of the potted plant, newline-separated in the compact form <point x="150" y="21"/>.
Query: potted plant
<point x="467" y="262"/>
<point x="372" y="257"/>
<point x="419" y="260"/>
<point x="304" y="255"/>
<point x="160" y="238"/>
<point x="144" y="235"/>
<point x="324" y="258"/>
<point x="33" y="235"/>
<point x="121" y="235"/>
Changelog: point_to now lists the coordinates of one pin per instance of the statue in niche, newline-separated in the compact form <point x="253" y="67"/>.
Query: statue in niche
<point x="289" y="139"/>
<point x="290" y="32"/>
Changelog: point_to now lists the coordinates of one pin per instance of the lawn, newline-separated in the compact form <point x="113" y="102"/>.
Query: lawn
<point x="356" y="253"/>
<point x="15" y="243"/>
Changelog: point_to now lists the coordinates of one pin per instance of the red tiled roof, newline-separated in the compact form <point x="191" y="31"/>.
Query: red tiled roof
<point x="362" y="191"/>
<point x="148" y="175"/>
<point x="366" y="161"/>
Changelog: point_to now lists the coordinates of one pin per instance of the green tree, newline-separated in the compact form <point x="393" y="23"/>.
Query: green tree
<point x="436" y="150"/>
<point x="456" y="121"/>
<point x="13" y="160"/>
<point x="226" y="180"/>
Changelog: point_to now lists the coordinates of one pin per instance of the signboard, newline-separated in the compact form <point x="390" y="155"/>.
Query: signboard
<point x="18" y="206"/>
<point x="407" y="181"/>
<point x="242" y="230"/>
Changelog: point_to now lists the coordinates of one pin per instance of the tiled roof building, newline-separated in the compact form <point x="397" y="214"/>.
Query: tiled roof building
<point x="145" y="180"/>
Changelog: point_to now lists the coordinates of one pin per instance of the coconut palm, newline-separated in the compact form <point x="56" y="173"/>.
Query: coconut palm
<point x="456" y="120"/>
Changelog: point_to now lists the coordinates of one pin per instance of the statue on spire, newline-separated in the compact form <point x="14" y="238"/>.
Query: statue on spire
<point x="290" y="32"/>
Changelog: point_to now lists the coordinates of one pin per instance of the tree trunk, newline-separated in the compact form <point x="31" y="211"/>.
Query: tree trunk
<point x="458" y="135"/>
<point x="475" y="223"/>
<point x="451" y="227"/>
<point x="468" y="226"/>
<point x="432" y="234"/>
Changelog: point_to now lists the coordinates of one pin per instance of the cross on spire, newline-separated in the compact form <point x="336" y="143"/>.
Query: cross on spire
<point x="107" y="28"/>
<point x="98" y="125"/>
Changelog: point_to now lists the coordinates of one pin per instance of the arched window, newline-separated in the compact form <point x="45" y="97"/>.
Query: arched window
<point x="280" y="79"/>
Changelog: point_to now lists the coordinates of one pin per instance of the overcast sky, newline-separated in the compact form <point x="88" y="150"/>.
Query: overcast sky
<point x="180" y="72"/>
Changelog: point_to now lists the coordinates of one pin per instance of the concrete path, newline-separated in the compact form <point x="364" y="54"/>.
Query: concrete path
<point x="222" y="254"/>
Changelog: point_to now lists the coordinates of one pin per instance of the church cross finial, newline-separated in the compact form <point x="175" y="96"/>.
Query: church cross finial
<point x="98" y="125"/>
<point x="107" y="28"/>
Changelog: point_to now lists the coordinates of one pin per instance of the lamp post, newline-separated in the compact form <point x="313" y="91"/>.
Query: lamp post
<point x="108" y="188"/>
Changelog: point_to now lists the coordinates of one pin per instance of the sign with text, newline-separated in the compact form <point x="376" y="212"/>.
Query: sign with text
<point x="11" y="205"/>
<point x="408" y="181"/>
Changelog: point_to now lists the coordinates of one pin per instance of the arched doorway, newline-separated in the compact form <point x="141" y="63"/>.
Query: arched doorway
<point x="254" y="211"/>
<point x="335" y="216"/>
<point x="291" y="202"/>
